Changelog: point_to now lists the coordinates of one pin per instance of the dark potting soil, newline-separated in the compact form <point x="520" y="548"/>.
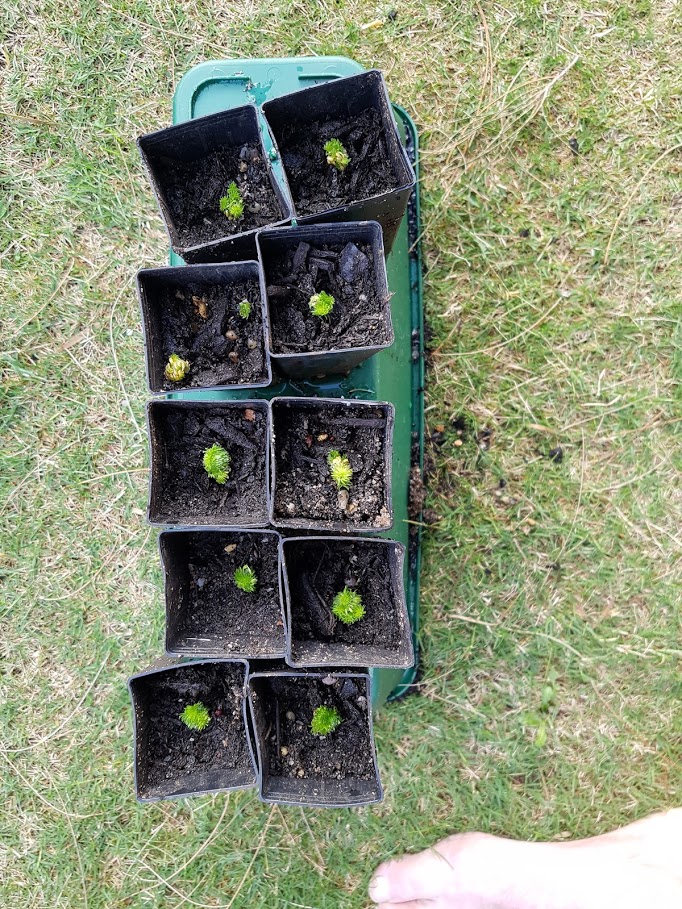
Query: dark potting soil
<point x="344" y="270"/>
<point x="304" y="488"/>
<point x="186" y="492"/>
<point x="316" y="185"/>
<point x="201" y="324"/>
<point x="318" y="570"/>
<point x="173" y="751"/>
<point x="217" y="613"/>
<point x="292" y="749"/>
<point x="194" y="190"/>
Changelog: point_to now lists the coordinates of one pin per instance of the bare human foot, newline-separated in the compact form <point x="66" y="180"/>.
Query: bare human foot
<point x="636" y="867"/>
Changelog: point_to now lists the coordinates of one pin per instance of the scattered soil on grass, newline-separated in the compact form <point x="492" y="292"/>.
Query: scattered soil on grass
<point x="318" y="570"/>
<point x="201" y="324"/>
<point x="317" y="186"/>
<point x="344" y="270"/>
<point x="289" y="707"/>
<point x="216" y="613"/>
<point x="186" y="493"/>
<point x="194" y="190"/>
<point x="172" y="750"/>
<point x="304" y="488"/>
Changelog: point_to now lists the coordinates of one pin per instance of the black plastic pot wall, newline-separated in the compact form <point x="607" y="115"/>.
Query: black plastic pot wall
<point x="326" y="362"/>
<point x="300" y="553"/>
<point x="347" y="97"/>
<point x="285" y="413"/>
<point x="153" y="283"/>
<point x="193" y="141"/>
<point x="176" y="548"/>
<point x="144" y="689"/>
<point x="247" y="486"/>
<point x="315" y="792"/>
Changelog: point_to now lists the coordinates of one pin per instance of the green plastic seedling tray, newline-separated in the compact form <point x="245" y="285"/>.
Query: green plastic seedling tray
<point x="395" y="374"/>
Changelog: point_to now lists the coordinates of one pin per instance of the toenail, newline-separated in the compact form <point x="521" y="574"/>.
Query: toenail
<point x="378" y="889"/>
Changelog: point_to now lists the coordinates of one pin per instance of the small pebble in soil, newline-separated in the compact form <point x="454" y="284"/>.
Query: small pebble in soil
<point x="284" y="751"/>
<point x="342" y="499"/>
<point x="233" y="356"/>
<point x="458" y="443"/>
<point x="300" y="773"/>
<point x="251" y="344"/>
<point x="249" y="415"/>
<point x="201" y="582"/>
<point x="230" y="547"/>
<point x="323" y="436"/>
<point x="291" y="508"/>
<point x="231" y="335"/>
<point x="291" y="716"/>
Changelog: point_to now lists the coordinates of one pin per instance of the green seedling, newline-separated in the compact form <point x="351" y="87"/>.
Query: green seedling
<point x="321" y="304"/>
<point x="336" y="154"/>
<point x="176" y="368"/>
<point x="246" y="579"/>
<point x="339" y="469"/>
<point x="217" y="463"/>
<point x="245" y="309"/>
<point x="347" y="606"/>
<point x="196" y="716"/>
<point x="232" y="204"/>
<point x="325" y="720"/>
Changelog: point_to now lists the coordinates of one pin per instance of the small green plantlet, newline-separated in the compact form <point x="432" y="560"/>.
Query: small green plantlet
<point x="196" y="716"/>
<point x="245" y="309"/>
<point x="217" y="463"/>
<point x="339" y="469"/>
<point x="321" y="304"/>
<point x="176" y="368"/>
<point x="347" y="606"/>
<point x="325" y="720"/>
<point x="336" y="154"/>
<point x="232" y="204"/>
<point x="245" y="578"/>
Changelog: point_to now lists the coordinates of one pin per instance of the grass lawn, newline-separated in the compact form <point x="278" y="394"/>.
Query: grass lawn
<point x="552" y="623"/>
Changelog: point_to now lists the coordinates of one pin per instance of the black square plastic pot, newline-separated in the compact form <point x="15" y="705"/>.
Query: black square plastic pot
<point x="315" y="570"/>
<point x="207" y="614"/>
<point x="296" y="767"/>
<point x="376" y="184"/>
<point x="190" y="167"/>
<point x="304" y="433"/>
<point x="193" y="312"/>
<point x="172" y="760"/>
<point x="345" y="260"/>
<point x="180" y="490"/>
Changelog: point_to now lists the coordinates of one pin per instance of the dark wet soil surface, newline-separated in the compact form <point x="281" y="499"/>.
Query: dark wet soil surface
<point x="194" y="190"/>
<point x="201" y="324"/>
<point x="318" y="570"/>
<point x="293" y="751"/>
<point x="344" y="270"/>
<point x="217" y="613"/>
<point x="187" y="493"/>
<point x="316" y="185"/>
<point x="173" y="751"/>
<point x="304" y="488"/>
